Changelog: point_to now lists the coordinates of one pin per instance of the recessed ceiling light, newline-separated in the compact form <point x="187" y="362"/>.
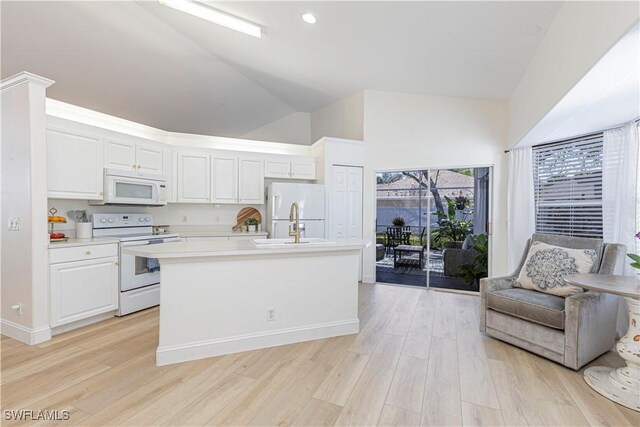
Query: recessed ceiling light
<point x="215" y="16"/>
<point x="309" y="18"/>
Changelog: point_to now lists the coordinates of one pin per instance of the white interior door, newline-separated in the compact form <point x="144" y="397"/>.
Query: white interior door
<point x="354" y="203"/>
<point x="339" y="203"/>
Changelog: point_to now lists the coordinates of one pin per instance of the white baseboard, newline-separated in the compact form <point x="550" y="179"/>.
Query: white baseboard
<point x="202" y="349"/>
<point x="24" y="334"/>
<point x="368" y="279"/>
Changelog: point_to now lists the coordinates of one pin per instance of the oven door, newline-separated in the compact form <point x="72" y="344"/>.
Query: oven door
<point x="137" y="272"/>
<point x="132" y="191"/>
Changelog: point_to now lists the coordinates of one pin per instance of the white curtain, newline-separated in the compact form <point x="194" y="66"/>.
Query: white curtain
<point x="521" y="222"/>
<point x="620" y="198"/>
<point x="620" y="188"/>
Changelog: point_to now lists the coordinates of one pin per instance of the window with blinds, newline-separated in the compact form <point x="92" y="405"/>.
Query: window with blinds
<point x="568" y="187"/>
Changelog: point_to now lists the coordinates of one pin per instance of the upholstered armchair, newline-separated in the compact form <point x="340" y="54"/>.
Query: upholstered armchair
<point x="573" y="330"/>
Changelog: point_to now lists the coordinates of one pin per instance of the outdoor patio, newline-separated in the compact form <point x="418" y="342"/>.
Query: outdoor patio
<point x="406" y="274"/>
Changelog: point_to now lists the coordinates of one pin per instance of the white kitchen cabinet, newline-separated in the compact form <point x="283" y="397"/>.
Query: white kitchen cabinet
<point x="193" y="177"/>
<point x="303" y="168"/>
<point x="149" y="159"/>
<point x="286" y="167"/>
<point x="251" y="181"/>
<point x="128" y="155"/>
<point x="74" y="164"/>
<point x="277" y="167"/>
<point x="83" y="288"/>
<point x="224" y="172"/>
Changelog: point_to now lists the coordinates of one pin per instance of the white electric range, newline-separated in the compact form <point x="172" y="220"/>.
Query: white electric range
<point x="139" y="277"/>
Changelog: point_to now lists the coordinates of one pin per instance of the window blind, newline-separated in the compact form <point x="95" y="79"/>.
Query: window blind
<point x="568" y="187"/>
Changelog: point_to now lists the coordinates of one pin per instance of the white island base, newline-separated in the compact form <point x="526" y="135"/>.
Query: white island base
<point x="219" y="298"/>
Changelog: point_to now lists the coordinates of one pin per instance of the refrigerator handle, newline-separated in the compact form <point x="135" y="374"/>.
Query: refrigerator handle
<point x="274" y="205"/>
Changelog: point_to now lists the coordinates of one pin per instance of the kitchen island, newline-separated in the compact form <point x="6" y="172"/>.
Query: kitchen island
<point x="226" y="297"/>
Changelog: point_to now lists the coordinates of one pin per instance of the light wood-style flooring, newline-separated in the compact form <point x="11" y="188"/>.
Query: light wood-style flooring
<point x="418" y="360"/>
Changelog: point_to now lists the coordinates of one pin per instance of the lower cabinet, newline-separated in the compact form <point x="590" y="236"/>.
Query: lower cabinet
<point x="83" y="288"/>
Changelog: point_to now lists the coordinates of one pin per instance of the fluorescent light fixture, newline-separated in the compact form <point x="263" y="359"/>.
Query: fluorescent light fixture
<point x="215" y="16"/>
<point x="309" y="18"/>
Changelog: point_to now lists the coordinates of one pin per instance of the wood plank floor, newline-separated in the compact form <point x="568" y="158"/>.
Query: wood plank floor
<point x="418" y="360"/>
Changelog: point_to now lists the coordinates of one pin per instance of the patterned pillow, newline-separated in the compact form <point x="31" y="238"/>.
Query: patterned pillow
<point x="547" y="264"/>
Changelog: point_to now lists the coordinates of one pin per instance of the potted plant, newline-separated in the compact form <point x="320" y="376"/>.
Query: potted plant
<point x="398" y="221"/>
<point x="252" y="225"/>
<point x="472" y="273"/>
<point x="450" y="231"/>
<point x="461" y="202"/>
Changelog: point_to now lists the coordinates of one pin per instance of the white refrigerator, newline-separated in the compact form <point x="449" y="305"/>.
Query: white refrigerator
<point x="310" y="198"/>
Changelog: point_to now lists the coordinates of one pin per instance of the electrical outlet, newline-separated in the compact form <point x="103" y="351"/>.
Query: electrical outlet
<point x="184" y="218"/>
<point x="217" y="219"/>
<point x="271" y="314"/>
<point x="14" y="224"/>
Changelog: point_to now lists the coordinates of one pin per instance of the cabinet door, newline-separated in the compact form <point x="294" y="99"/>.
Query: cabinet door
<point x="83" y="289"/>
<point x="74" y="164"/>
<point x="194" y="178"/>
<point x="354" y="203"/>
<point x="339" y="203"/>
<point x="251" y="181"/>
<point x="149" y="159"/>
<point x="119" y="154"/>
<point x="277" y="167"/>
<point x="303" y="168"/>
<point x="224" y="179"/>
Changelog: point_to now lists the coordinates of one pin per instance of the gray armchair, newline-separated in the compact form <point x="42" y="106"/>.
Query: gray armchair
<point x="572" y="331"/>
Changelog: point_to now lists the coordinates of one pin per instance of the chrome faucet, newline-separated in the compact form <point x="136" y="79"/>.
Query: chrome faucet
<point x="295" y="230"/>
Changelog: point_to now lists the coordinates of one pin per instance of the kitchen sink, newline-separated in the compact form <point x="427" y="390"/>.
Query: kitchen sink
<point x="273" y="243"/>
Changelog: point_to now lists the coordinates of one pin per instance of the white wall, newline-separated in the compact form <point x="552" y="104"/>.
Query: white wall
<point x="580" y="35"/>
<point x="24" y="252"/>
<point x="292" y="129"/>
<point x="403" y="131"/>
<point x="209" y="216"/>
<point x="342" y="119"/>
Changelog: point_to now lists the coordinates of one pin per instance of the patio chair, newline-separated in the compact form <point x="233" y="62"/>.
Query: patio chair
<point x="397" y="236"/>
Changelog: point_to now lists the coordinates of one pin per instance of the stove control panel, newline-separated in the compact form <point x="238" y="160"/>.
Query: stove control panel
<point x="121" y="220"/>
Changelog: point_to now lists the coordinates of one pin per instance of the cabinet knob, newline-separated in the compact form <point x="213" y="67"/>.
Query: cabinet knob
<point x="88" y="252"/>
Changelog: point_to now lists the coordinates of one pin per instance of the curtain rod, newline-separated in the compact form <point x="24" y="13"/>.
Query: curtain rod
<point x="636" y="121"/>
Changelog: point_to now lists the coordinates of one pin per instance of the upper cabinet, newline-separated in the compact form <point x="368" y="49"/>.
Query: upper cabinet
<point x="286" y="167"/>
<point x="251" y="181"/>
<point x="128" y="155"/>
<point x="224" y="179"/>
<point x="237" y="179"/>
<point x="74" y="164"/>
<point x="193" y="177"/>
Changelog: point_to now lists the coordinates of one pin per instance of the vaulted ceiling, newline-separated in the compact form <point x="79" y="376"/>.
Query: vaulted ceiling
<point x="151" y="64"/>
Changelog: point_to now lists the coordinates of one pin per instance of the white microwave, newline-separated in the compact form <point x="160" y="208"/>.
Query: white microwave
<point x="131" y="188"/>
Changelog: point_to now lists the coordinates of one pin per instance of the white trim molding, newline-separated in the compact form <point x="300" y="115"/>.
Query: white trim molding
<point x="24" y="334"/>
<point x="24" y="77"/>
<point x="167" y="355"/>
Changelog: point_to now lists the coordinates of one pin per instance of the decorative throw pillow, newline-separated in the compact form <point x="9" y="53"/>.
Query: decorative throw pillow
<point x="547" y="264"/>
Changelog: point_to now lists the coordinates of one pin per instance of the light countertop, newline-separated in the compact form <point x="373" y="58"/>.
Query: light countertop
<point x="82" y="242"/>
<point x="210" y="233"/>
<point x="212" y="249"/>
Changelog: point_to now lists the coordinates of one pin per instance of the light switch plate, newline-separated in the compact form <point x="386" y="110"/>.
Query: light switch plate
<point x="14" y="224"/>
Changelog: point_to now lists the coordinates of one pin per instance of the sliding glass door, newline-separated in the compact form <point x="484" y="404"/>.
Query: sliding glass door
<point x="432" y="227"/>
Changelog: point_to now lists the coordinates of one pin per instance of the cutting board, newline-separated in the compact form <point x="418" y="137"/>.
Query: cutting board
<point x="244" y="214"/>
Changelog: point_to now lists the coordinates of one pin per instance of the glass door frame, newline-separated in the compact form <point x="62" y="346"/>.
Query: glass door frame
<point x="428" y="225"/>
